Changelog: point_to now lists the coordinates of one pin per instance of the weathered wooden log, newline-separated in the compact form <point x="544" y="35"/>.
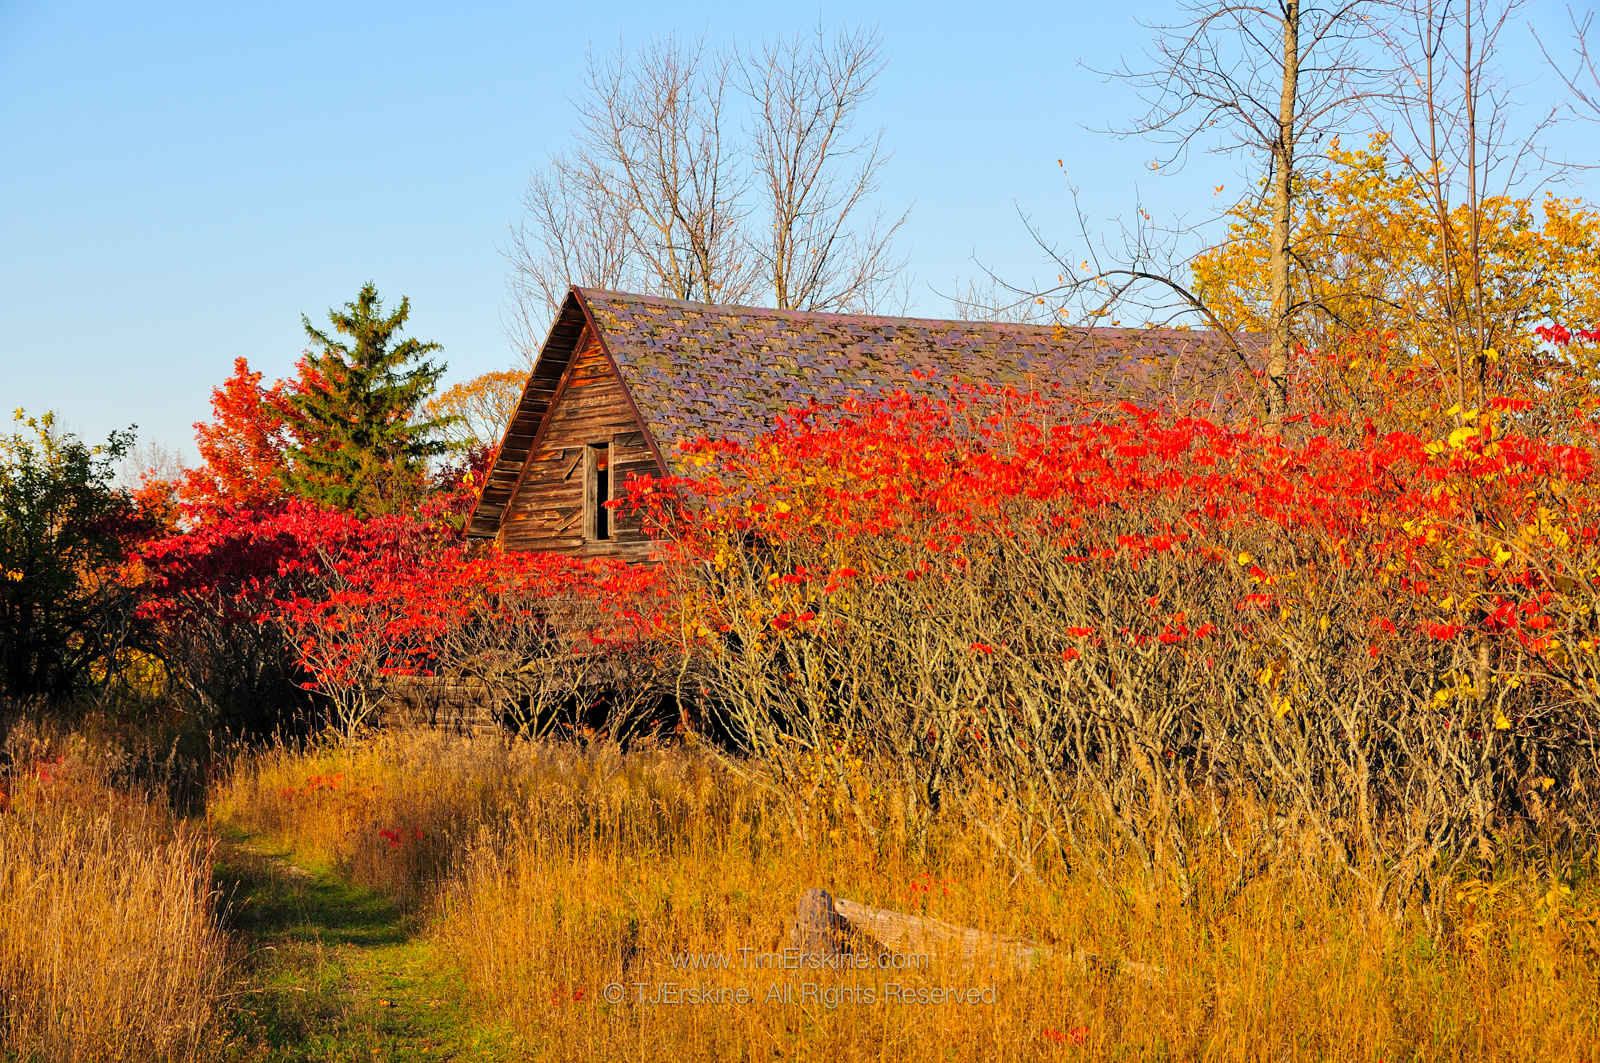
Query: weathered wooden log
<point x="829" y="926"/>
<point x="819" y="929"/>
<point x="907" y="934"/>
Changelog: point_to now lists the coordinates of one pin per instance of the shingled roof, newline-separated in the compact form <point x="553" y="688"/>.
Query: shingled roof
<point x="694" y="369"/>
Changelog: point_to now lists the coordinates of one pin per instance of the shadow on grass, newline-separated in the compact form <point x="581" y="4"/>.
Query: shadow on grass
<point x="264" y="896"/>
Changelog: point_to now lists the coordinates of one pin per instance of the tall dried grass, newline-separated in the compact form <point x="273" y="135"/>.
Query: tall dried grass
<point x="110" y="947"/>
<point x="390" y="812"/>
<point x="587" y="867"/>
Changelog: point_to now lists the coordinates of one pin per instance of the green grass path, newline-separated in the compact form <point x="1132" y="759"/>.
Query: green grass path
<point x="335" y="972"/>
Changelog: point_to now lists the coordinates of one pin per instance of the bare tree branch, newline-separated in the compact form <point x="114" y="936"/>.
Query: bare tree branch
<point x="1137" y="278"/>
<point x="814" y="174"/>
<point x="1583" y="79"/>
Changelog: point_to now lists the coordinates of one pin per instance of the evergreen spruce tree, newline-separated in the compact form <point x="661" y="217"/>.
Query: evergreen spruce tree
<point x="359" y="442"/>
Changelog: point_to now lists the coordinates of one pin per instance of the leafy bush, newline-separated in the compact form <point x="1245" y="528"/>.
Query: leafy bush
<point x="212" y="595"/>
<point x="63" y="530"/>
<point x="293" y="611"/>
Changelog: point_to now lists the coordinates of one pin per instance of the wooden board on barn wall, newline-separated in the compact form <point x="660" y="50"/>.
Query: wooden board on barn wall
<point x="546" y="512"/>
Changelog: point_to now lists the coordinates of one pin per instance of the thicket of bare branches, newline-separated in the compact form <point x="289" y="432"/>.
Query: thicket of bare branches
<point x="571" y="231"/>
<point x="992" y="299"/>
<point x="717" y="177"/>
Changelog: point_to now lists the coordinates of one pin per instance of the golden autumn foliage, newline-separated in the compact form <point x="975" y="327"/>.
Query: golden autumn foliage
<point x="1383" y="300"/>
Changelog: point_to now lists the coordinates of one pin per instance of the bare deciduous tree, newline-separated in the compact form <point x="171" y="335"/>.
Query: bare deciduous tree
<point x="815" y="174"/>
<point x="573" y="231"/>
<point x="668" y="191"/>
<point x="149" y="461"/>
<point x="650" y="196"/>
<point x="655" y="133"/>
<point x="1269" y="80"/>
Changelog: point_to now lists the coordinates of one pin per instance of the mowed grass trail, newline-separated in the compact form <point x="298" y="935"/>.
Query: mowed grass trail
<point x="336" y="972"/>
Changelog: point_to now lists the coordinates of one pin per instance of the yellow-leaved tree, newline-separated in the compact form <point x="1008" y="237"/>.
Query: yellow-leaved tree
<point x="1385" y="323"/>
<point x="481" y="406"/>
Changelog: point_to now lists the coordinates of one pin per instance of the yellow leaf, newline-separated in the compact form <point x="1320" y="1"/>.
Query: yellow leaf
<point x="1500" y="721"/>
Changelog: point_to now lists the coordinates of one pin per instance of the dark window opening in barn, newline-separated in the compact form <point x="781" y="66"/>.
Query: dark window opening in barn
<point x="597" y="492"/>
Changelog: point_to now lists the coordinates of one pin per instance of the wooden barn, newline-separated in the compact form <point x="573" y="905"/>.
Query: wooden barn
<point x="623" y="378"/>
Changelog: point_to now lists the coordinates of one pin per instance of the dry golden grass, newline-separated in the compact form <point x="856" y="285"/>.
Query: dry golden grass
<point x="390" y="811"/>
<point x="575" y="868"/>
<point x="109" y="943"/>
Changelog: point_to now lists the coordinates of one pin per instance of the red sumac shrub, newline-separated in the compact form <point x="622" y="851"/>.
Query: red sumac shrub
<point x="1387" y="639"/>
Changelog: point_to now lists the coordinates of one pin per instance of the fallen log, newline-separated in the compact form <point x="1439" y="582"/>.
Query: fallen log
<point x="827" y="926"/>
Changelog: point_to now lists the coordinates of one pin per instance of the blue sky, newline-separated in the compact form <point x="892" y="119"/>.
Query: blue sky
<point x="181" y="182"/>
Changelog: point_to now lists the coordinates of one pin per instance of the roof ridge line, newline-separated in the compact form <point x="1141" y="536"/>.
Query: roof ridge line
<point x="586" y="293"/>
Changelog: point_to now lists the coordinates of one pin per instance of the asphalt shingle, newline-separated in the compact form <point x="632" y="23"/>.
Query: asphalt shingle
<point x="700" y="370"/>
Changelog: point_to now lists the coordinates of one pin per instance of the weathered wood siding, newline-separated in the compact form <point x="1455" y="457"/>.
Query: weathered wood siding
<point x="546" y="510"/>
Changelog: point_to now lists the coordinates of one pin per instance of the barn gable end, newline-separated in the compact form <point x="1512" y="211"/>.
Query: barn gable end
<point x="589" y="428"/>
